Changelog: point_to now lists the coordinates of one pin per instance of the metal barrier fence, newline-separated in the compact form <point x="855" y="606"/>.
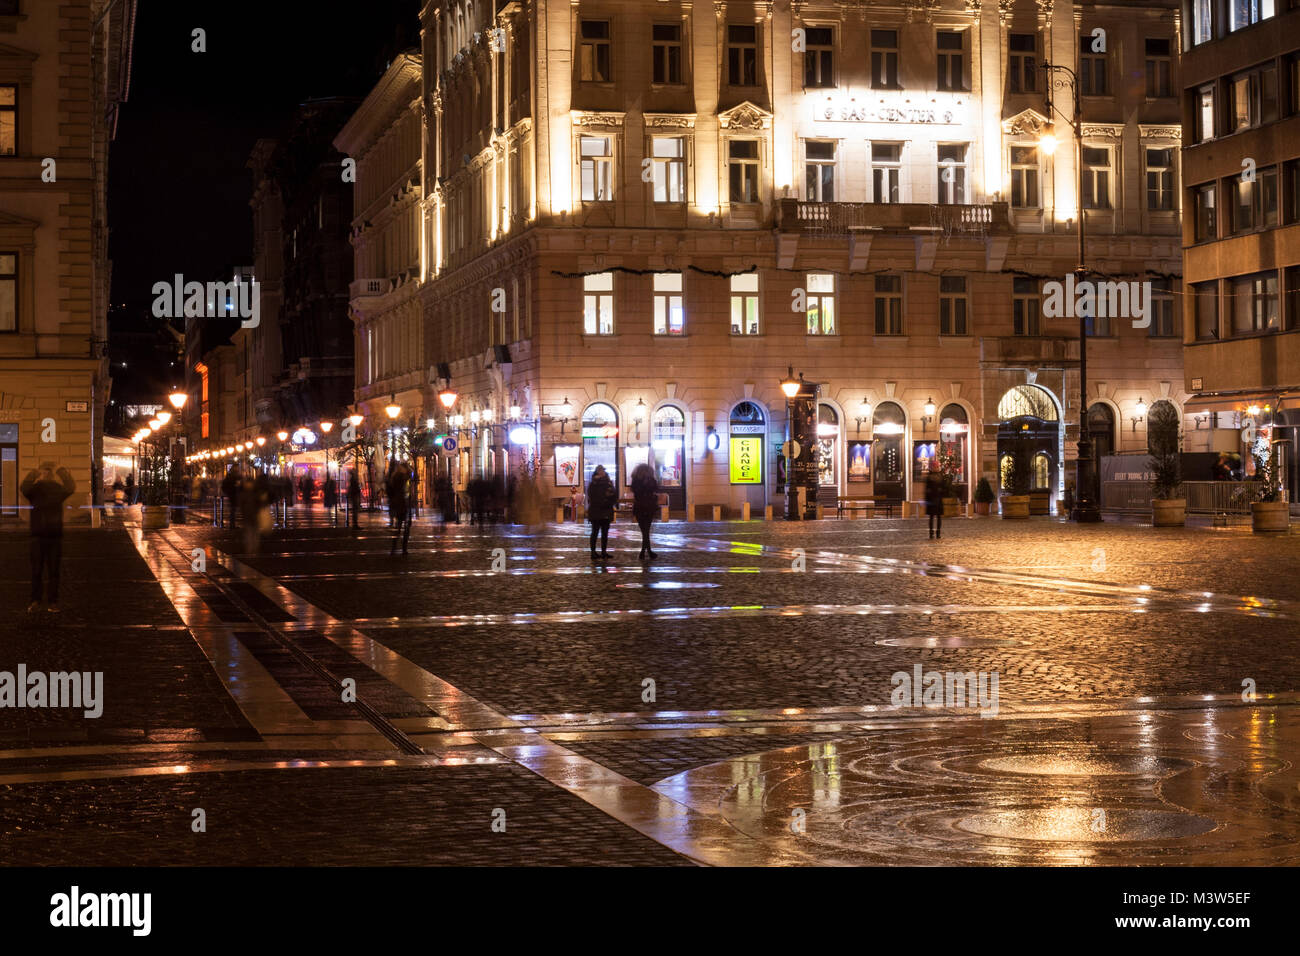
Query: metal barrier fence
<point x="1203" y="497"/>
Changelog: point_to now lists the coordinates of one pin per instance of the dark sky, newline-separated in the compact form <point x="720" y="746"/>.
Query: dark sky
<point x="178" y="189"/>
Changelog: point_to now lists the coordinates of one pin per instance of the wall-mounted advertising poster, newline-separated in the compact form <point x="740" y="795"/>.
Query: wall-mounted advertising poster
<point x="746" y="459"/>
<point x="566" y="465"/>
<point x="922" y="455"/>
<point x="860" y="461"/>
<point x="634" y="455"/>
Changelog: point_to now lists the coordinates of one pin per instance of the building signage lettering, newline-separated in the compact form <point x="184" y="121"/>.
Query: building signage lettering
<point x="746" y="461"/>
<point x="864" y="113"/>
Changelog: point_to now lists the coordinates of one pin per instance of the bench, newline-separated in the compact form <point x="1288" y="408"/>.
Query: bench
<point x="885" y="504"/>
<point x="851" y="505"/>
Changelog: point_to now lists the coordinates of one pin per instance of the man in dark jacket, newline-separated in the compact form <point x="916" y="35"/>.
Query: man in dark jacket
<point x="602" y="496"/>
<point x="230" y="489"/>
<point x="395" y="484"/>
<point x="47" y="496"/>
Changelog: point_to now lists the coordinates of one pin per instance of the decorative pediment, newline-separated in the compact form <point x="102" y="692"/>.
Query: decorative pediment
<point x="669" y="120"/>
<point x="598" y="118"/>
<point x="1152" y="131"/>
<point x="1106" y="131"/>
<point x="1028" y="122"/>
<point x="745" y="116"/>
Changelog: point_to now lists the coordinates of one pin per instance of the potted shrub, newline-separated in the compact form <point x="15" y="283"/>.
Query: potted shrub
<point x="1015" y="481"/>
<point x="949" y="468"/>
<point x="1268" y="512"/>
<point x="983" y="496"/>
<point x="154" y="488"/>
<point x="1168" y="509"/>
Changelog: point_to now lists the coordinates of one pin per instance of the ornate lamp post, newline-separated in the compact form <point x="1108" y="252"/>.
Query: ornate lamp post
<point x="790" y="387"/>
<point x="1085" y="497"/>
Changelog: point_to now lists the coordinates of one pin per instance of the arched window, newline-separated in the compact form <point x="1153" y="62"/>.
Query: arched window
<point x="1027" y="400"/>
<point x="747" y="426"/>
<point x="1101" y="430"/>
<point x="599" y="441"/>
<point x="954" y="439"/>
<point x="668" y="440"/>
<point x="828" y="434"/>
<point x="888" y="424"/>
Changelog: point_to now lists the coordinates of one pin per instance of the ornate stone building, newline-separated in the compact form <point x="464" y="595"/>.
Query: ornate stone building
<point x="638" y="215"/>
<point x="64" y="71"/>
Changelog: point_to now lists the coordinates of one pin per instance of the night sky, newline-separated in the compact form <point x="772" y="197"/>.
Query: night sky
<point x="178" y="189"/>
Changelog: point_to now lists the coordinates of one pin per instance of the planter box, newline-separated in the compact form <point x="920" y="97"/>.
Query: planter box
<point x="1040" y="502"/>
<point x="1270" y="516"/>
<point x="1168" y="512"/>
<point x="951" y="507"/>
<point x="983" y="507"/>
<point x="1015" y="506"/>
<point x="154" y="517"/>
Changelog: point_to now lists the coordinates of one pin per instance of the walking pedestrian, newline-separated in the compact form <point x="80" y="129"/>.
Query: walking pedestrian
<point x="934" y="502"/>
<point x="395" y="484"/>
<point x="331" y="493"/>
<point x="47" y="495"/>
<point x="230" y="489"/>
<point x="354" y="498"/>
<point x="119" y="493"/>
<point x="130" y="489"/>
<point x="645" y="504"/>
<point x="601" y="498"/>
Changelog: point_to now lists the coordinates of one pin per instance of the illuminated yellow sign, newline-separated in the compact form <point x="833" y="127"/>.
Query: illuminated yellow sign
<point x="746" y="460"/>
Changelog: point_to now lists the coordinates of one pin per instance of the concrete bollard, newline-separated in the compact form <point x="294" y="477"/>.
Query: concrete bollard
<point x="559" y="514"/>
<point x="821" y="511"/>
<point x="663" y="512"/>
<point x="907" y="509"/>
<point x="717" y="512"/>
<point x="744" y="511"/>
<point x="767" y="513"/>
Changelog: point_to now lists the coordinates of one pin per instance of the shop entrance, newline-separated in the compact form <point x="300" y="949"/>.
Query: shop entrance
<point x="1028" y="414"/>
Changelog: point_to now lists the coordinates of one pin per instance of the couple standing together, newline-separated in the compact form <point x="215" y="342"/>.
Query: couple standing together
<point x="602" y="498"/>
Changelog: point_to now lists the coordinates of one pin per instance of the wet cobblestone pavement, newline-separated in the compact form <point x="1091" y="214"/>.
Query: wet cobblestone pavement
<point x="326" y="702"/>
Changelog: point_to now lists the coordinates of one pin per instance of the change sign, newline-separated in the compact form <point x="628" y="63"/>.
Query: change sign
<point x="746" y="460"/>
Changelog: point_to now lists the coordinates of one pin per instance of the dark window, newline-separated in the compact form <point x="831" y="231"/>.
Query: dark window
<point x="1207" y="222"/>
<point x="1291" y="190"/>
<point x="1026" y="307"/>
<point x="8" y="292"/>
<point x="1024" y="177"/>
<point x="819" y="57"/>
<point x="595" y="52"/>
<point x="9" y="8"/>
<point x="1205" y="296"/>
<point x="1092" y="67"/>
<point x="952" y="65"/>
<point x="889" y="305"/>
<point x="1159" y="62"/>
<point x="667" y="51"/>
<point x="1022" y="63"/>
<point x="1160" y="179"/>
<point x="742" y="55"/>
<point x="884" y="59"/>
<point x="1162" y="309"/>
<point x="742" y="158"/>
<point x="952" y="305"/>
<point x="1096" y="178"/>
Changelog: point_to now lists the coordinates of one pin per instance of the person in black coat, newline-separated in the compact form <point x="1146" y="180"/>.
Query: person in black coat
<point x="934" y="503"/>
<point x="645" y="504"/>
<point x="47" y="488"/>
<point x="354" y="498"/>
<point x="602" y="496"/>
<point x="230" y="489"/>
<point x="399" y="511"/>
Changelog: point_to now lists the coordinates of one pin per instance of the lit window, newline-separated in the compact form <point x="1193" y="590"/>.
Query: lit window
<point x="744" y="304"/>
<point x="8" y="292"/>
<point x="670" y="317"/>
<point x="598" y="304"/>
<point x="669" y="169"/>
<point x="821" y="303"/>
<point x="8" y="120"/>
<point x="597" y="169"/>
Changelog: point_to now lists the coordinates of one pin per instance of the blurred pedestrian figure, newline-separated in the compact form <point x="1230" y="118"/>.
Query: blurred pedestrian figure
<point x="331" y="493"/>
<point x="354" y="498"/>
<point x="130" y="489"/>
<point x="645" y="505"/>
<point x="254" y="500"/>
<point x="447" y="500"/>
<point x="602" y="496"/>
<point x="47" y="490"/>
<point x="934" y="502"/>
<point x="479" y="489"/>
<point x="395" y="486"/>
<point x="119" y="493"/>
<point x="230" y="490"/>
<point x="1222" y="468"/>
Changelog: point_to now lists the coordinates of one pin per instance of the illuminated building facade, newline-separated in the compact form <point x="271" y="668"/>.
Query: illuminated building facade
<point x="636" y="216"/>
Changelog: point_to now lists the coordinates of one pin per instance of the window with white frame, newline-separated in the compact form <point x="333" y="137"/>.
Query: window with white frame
<point x="950" y="51"/>
<point x="889" y="305"/>
<point x="1202" y="21"/>
<point x="597" y="168"/>
<point x="1204" y="114"/>
<point x="819" y="166"/>
<point x="666" y="50"/>
<point x="742" y="163"/>
<point x="952" y="173"/>
<point x="1096" y="177"/>
<point x="595" y="55"/>
<point x="669" y="158"/>
<point x="1252" y="98"/>
<point x="952" y="305"/>
<point x="670" y="316"/>
<point x="742" y="54"/>
<point x="598" y="304"/>
<point x="1024" y="177"/>
<point x="744" y="304"/>
<point x="1160" y="179"/>
<point x="886" y="171"/>
<point x="1243" y="13"/>
<point x="821" y="303"/>
<point x="884" y="60"/>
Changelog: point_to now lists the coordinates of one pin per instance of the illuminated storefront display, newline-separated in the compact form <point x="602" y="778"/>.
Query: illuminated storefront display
<point x="828" y="445"/>
<point x="599" y="441"/>
<point x="954" y="437"/>
<point x="566" y="465"/>
<point x="859" y="461"/>
<point x="888" y="426"/>
<point x="748" y="428"/>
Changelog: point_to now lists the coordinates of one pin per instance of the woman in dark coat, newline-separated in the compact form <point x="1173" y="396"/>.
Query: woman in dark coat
<point x="934" y="503"/>
<point x="601" y="498"/>
<point x="645" y="504"/>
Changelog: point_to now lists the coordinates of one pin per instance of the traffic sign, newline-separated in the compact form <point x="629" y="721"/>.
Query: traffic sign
<point x="448" y="445"/>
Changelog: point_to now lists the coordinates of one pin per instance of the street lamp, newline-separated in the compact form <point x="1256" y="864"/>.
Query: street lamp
<point x="1141" y="413"/>
<point x="864" y="413"/>
<point x="1085" y="498"/>
<point x="791" y="386"/>
<point x="638" y="416"/>
<point x="928" y="417"/>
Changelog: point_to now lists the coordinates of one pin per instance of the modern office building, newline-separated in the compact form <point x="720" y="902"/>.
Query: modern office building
<point x="1241" y="189"/>
<point x="636" y="217"/>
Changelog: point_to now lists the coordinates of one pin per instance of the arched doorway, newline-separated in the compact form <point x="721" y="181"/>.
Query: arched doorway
<point x="1101" y="431"/>
<point x="1027" y="414"/>
<point x="599" y="441"/>
<point x="747" y="453"/>
<point x="954" y="440"/>
<point x="828" y="449"/>
<point x="668" y="443"/>
<point x="888" y="426"/>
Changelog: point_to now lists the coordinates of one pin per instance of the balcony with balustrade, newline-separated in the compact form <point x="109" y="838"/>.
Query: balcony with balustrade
<point x="839" y="219"/>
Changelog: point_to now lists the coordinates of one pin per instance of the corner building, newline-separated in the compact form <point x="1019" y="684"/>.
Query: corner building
<point x="638" y="215"/>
